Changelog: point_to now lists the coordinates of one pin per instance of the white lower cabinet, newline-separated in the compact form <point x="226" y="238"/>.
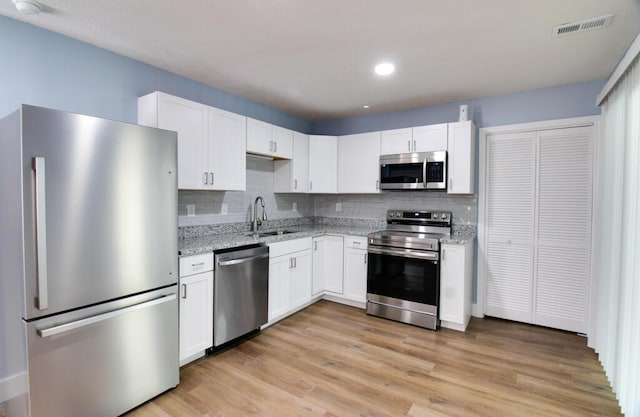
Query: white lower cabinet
<point x="196" y="306"/>
<point x="327" y="264"/>
<point x="456" y="273"/>
<point x="289" y="276"/>
<point x="355" y="268"/>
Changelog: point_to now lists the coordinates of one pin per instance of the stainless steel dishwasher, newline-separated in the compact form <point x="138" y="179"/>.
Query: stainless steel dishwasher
<point x="240" y="292"/>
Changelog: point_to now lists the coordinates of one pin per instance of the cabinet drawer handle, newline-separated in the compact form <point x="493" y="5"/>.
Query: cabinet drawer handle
<point x="184" y="290"/>
<point x="205" y="178"/>
<point x="295" y="184"/>
<point x="315" y="245"/>
<point x="450" y="182"/>
<point x="275" y="146"/>
<point x="443" y="253"/>
<point x="414" y="146"/>
<point x="409" y="145"/>
<point x="365" y="258"/>
<point x="377" y="184"/>
<point x="270" y="146"/>
<point x="211" y="176"/>
<point x="310" y="185"/>
<point x="198" y="265"/>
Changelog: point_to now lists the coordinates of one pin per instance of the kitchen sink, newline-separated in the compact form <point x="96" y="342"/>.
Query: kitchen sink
<point x="272" y="233"/>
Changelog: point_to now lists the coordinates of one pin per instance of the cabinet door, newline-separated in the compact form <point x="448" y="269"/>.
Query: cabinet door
<point x="196" y="314"/>
<point x="461" y="158"/>
<point x="359" y="163"/>
<point x="259" y="137"/>
<point x="189" y="119"/>
<point x="292" y="176"/>
<point x="279" y="286"/>
<point x="323" y="164"/>
<point x="332" y="264"/>
<point x="301" y="278"/>
<point x="282" y="142"/>
<point x="430" y="138"/>
<point x="227" y="150"/>
<point x="452" y="284"/>
<point x="300" y="163"/>
<point x="318" y="265"/>
<point x="355" y="274"/>
<point x="396" y="141"/>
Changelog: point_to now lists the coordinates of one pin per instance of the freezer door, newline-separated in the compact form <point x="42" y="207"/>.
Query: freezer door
<point x="104" y="360"/>
<point x="100" y="210"/>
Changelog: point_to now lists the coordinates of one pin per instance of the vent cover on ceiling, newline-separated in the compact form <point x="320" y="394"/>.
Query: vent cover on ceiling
<point x="582" y="26"/>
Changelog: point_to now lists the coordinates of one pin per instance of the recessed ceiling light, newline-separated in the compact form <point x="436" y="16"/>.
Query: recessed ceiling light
<point x="384" y="68"/>
<point x="27" y="6"/>
<point x="366" y="106"/>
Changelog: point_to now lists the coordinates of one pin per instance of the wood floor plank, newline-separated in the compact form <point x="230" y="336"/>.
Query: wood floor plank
<point x="332" y="360"/>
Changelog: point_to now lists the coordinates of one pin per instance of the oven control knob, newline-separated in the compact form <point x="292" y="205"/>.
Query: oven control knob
<point x="444" y="216"/>
<point x="398" y="214"/>
<point x="391" y="214"/>
<point x="435" y="215"/>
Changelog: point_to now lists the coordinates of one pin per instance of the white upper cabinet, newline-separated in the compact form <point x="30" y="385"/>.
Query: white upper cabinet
<point x="189" y="119"/>
<point x="461" y="158"/>
<point x="227" y="150"/>
<point x="396" y="141"/>
<point x="417" y="139"/>
<point x="358" y="163"/>
<point x="323" y="164"/>
<point x="211" y="152"/>
<point x="430" y="138"/>
<point x="293" y="176"/>
<point x="266" y="139"/>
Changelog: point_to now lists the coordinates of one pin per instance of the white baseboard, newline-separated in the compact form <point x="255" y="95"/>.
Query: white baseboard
<point x="14" y="386"/>
<point x="346" y="301"/>
<point x="476" y="311"/>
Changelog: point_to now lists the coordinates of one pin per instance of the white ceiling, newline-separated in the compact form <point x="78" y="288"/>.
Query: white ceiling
<point x="314" y="59"/>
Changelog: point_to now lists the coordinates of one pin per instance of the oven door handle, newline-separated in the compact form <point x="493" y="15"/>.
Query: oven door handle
<point x="404" y="253"/>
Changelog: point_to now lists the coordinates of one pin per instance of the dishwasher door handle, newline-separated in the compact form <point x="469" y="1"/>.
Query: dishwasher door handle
<point x="242" y="260"/>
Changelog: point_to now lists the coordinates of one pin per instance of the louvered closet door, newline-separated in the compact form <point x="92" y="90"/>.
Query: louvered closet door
<point x="510" y="200"/>
<point x="561" y="284"/>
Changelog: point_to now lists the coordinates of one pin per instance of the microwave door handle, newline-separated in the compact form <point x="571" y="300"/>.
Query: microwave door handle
<point x="424" y="172"/>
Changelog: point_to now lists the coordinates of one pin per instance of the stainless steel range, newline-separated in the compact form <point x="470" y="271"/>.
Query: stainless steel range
<point x="403" y="276"/>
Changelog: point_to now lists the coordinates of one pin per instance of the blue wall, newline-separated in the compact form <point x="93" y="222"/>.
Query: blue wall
<point x="530" y="106"/>
<point x="43" y="68"/>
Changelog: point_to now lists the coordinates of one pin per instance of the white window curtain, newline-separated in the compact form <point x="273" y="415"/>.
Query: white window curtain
<point x="615" y="324"/>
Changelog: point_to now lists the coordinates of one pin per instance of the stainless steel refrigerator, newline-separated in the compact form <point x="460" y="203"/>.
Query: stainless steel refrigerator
<point x="88" y="261"/>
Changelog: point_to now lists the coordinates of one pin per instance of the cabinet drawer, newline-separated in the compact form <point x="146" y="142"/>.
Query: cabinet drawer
<point x="289" y="246"/>
<point x="195" y="264"/>
<point x="355" y="242"/>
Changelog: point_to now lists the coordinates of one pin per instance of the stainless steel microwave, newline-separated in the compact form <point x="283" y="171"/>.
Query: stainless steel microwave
<point x="414" y="171"/>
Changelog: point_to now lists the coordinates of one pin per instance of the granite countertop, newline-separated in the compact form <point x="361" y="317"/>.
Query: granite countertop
<point x="201" y="244"/>
<point x="459" y="238"/>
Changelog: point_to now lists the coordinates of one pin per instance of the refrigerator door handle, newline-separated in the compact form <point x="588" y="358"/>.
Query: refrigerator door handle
<point x="63" y="328"/>
<point x="42" y="299"/>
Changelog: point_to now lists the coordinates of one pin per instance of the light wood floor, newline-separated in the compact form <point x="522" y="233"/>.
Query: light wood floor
<point x="333" y="360"/>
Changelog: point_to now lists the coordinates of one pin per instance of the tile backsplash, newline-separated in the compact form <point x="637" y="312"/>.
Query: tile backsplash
<point x="208" y="205"/>
<point x="374" y="206"/>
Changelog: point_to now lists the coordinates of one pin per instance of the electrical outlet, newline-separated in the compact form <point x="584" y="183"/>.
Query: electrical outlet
<point x="338" y="206"/>
<point x="191" y="210"/>
<point x="224" y="209"/>
<point x="295" y="206"/>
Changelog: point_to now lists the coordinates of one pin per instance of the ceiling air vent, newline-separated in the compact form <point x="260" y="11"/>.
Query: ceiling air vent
<point x="582" y="26"/>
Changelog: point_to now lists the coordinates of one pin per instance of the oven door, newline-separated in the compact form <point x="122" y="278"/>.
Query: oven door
<point x="406" y="275"/>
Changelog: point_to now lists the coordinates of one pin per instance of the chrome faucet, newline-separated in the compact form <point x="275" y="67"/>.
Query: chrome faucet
<point x="257" y="222"/>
